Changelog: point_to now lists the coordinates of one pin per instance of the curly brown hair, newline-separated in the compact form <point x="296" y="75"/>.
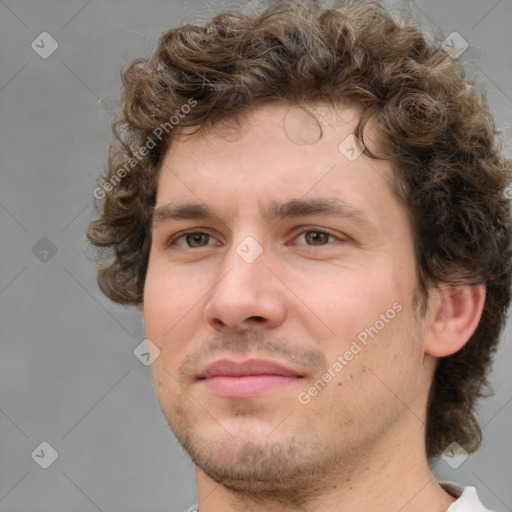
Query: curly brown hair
<point x="435" y="126"/>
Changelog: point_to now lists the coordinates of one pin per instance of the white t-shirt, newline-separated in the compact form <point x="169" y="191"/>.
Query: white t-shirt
<point x="467" y="499"/>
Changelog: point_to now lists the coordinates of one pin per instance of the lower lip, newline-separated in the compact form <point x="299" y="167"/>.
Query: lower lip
<point x="247" y="386"/>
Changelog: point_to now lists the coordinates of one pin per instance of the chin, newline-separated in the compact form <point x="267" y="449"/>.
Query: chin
<point x="287" y="469"/>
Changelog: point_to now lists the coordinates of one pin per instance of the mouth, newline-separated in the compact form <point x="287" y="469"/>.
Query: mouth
<point x="247" y="379"/>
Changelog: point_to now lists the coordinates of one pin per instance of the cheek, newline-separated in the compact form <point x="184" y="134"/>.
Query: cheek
<point x="376" y="379"/>
<point x="169" y="302"/>
<point x="155" y="307"/>
<point x="354" y="302"/>
<point x="373" y="325"/>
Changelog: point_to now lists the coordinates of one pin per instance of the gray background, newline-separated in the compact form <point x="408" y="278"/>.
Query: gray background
<point x="68" y="375"/>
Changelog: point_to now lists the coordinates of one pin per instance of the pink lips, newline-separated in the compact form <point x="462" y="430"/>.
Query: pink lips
<point x="246" y="379"/>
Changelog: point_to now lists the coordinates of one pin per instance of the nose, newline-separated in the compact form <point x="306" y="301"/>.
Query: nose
<point x="247" y="296"/>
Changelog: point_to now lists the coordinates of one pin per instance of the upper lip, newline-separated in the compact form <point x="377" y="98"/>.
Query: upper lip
<point x="229" y="368"/>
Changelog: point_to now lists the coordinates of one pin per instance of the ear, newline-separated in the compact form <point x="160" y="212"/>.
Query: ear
<point x="454" y="314"/>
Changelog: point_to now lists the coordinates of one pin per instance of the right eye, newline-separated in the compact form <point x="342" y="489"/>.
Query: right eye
<point x="194" y="240"/>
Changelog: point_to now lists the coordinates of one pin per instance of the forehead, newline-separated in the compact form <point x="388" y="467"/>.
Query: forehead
<point x="276" y="152"/>
<point x="297" y="129"/>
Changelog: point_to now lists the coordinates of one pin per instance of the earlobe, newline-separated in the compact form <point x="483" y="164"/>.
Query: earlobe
<point x="455" y="312"/>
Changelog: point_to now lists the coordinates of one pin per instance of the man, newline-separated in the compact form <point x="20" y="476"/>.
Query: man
<point x="310" y="207"/>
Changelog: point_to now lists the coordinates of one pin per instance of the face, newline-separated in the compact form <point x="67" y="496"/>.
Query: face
<point x="280" y="294"/>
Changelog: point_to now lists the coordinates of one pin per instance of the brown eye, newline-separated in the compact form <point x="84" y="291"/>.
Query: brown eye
<point x="316" y="237"/>
<point x="197" y="239"/>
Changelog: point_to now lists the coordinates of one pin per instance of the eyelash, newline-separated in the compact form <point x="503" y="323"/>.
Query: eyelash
<point x="175" y="239"/>
<point x="306" y="230"/>
<point x="302" y="232"/>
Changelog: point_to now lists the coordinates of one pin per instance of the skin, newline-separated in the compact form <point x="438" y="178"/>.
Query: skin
<point x="320" y="280"/>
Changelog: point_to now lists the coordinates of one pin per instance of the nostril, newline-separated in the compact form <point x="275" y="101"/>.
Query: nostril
<point x="258" y="319"/>
<point x="217" y="323"/>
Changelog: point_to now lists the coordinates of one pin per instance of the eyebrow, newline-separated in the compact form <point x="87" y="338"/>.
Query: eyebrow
<point x="334" y="206"/>
<point x="184" y="211"/>
<point x="272" y="211"/>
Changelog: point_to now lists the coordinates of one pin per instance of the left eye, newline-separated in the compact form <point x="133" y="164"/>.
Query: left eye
<point x="315" y="238"/>
<point x="194" y="240"/>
